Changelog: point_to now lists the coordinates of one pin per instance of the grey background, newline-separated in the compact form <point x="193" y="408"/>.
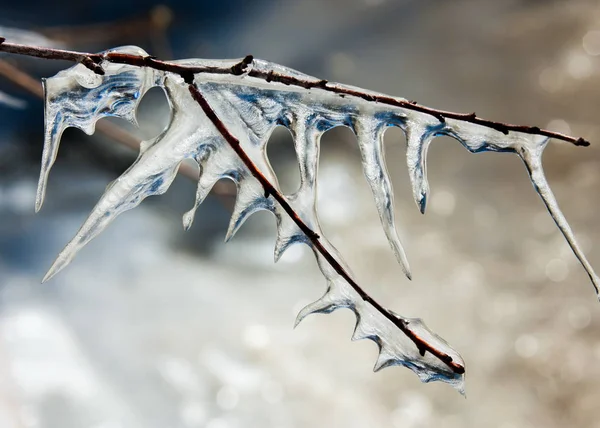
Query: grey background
<point x="153" y="327"/>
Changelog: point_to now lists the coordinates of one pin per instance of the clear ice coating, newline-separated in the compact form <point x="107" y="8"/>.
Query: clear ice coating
<point x="251" y="108"/>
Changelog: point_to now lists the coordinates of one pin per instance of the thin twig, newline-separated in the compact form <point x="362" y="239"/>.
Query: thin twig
<point x="269" y="189"/>
<point x="92" y="61"/>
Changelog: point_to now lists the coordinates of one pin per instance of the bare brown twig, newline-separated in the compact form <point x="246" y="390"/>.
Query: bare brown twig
<point x="93" y="61"/>
<point x="401" y="323"/>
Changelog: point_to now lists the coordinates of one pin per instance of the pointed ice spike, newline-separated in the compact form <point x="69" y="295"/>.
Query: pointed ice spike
<point x="323" y="305"/>
<point x="306" y="136"/>
<point x="250" y="199"/>
<point x="370" y="141"/>
<point x="360" y="330"/>
<point x="54" y="128"/>
<point x="249" y="108"/>
<point x="306" y="142"/>
<point x="328" y="303"/>
<point x="121" y="195"/>
<point x="384" y="359"/>
<point x="533" y="161"/>
<point x="205" y="184"/>
<point x="418" y="137"/>
<point x="283" y="243"/>
<point x="201" y="194"/>
<point x="77" y="97"/>
<point x="288" y="233"/>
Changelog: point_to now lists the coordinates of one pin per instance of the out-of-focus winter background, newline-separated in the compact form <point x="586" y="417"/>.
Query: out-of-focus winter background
<point x="153" y="327"/>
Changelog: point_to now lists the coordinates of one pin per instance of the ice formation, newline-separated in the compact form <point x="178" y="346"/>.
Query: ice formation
<point x="251" y="107"/>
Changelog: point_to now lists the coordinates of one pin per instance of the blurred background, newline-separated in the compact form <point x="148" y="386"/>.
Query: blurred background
<point x="153" y="327"/>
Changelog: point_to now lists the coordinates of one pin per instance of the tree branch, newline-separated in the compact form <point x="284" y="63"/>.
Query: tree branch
<point x="401" y="323"/>
<point x="93" y="61"/>
<point x="111" y="130"/>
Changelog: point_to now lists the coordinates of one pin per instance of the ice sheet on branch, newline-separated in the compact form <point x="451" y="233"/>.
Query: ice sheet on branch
<point x="251" y="108"/>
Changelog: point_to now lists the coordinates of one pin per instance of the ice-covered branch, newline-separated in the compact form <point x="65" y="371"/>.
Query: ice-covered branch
<point x="403" y="324"/>
<point x="223" y="113"/>
<point x="92" y="61"/>
<point x="111" y="130"/>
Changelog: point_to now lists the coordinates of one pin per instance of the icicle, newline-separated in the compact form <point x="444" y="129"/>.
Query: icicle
<point x="250" y="108"/>
<point x="288" y="234"/>
<point x="385" y="359"/>
<point x="324" y="305"/>
<point x="529" y="148"/>
<point x="212" y="157"/>
<point x="77" y="97"/>
<point x="361" y="330"/>
<point x="250" y="199"/>
<point x="419" y="134"/>
<point x="395" y="347"/>
<point x="306" y="143"/>
<point x="121" y="195"/>
<point x="202" y="191"/>
<point x="335" y="297"/>
<point x="370" y="141"/>
<point x="532" y="157"/>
